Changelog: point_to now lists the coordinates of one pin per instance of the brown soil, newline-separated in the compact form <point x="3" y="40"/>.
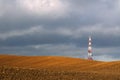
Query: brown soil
<point x="56" y="68"/>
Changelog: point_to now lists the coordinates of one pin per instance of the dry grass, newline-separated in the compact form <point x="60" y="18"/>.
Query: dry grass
<point x="56" y="68"/>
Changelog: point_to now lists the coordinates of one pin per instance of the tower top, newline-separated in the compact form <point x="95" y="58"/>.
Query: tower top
<point x="90" y="38"/>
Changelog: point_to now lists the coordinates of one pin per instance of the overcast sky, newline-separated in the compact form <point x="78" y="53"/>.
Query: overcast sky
<point x="60" y="28"/>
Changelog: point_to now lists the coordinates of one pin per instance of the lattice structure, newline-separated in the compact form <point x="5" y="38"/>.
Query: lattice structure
<point x="90" y="49"/>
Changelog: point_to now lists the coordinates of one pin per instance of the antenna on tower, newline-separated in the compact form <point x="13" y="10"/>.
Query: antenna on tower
<point x="90" y="48"/>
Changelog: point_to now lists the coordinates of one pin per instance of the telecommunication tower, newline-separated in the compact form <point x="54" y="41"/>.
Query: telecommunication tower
<point x="90" y="49"/>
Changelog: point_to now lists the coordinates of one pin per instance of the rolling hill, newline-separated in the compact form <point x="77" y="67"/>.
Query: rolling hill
<point x="56" y="68"/>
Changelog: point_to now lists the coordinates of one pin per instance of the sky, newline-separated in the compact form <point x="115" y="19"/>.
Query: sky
<point x="60" y="28"/>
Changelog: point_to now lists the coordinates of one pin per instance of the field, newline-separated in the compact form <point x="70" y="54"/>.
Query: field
<point x="56" y="68"/>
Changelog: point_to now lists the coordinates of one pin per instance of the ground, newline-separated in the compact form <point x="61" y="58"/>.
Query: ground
<point x="56" y="68"/>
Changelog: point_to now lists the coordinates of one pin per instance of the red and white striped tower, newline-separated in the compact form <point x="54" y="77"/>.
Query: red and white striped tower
<point x="90" y="49"/>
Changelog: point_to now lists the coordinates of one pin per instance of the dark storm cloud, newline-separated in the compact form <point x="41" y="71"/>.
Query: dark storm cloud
<point x="31" y="27"/>
<point x="26" y="40"/>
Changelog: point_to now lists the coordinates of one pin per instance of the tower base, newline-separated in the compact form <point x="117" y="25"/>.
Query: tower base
<point x="90" y="58"/>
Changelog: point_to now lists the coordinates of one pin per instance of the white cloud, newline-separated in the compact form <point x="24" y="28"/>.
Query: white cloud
<point x="97" y="29"/>
<point x="21" y="32"/>
<point x="36" y="30"/>
<point x="70" y="32"/>
<point x="1" y="10"/>
<point x="54" y="8"/>
<point x="118" y="5"/>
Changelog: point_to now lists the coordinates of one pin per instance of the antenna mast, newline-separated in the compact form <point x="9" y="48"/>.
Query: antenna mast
<point x="90" y="48"/>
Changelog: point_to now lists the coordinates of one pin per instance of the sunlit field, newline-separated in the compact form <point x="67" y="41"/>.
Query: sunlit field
<point x="56" y="68"/>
